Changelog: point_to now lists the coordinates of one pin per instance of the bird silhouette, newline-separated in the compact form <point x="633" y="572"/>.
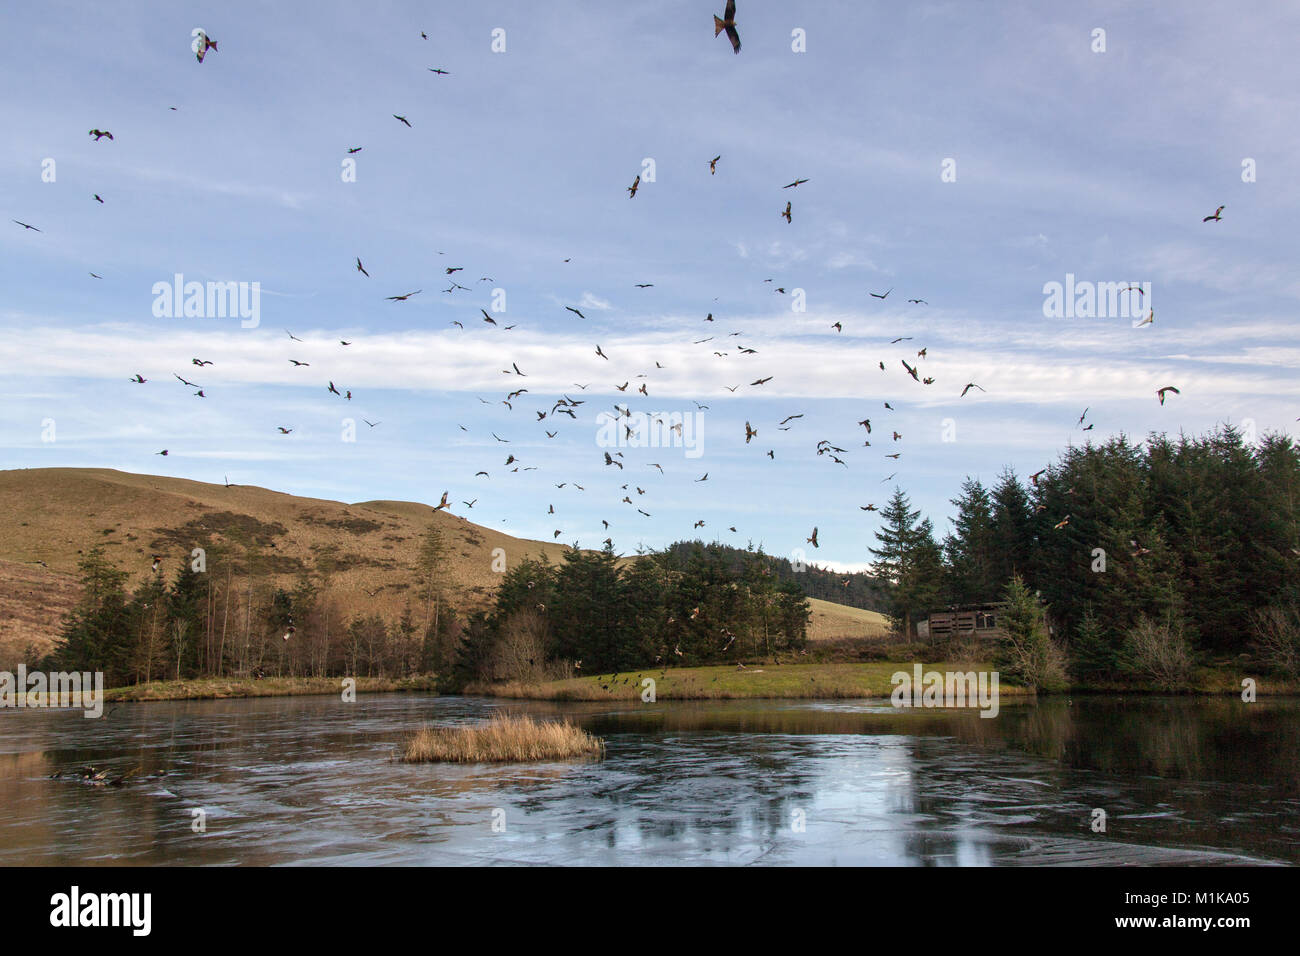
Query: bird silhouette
<point x="727" y="22"/>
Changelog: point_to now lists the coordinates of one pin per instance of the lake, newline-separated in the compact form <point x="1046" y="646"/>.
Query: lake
<point x="296" y="780"/>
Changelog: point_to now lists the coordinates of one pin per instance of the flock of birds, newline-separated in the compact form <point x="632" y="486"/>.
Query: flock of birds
<point x="634" y="496"/>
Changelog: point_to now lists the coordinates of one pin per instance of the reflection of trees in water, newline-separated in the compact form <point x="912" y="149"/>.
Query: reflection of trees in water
<point x="1217" y="739"/>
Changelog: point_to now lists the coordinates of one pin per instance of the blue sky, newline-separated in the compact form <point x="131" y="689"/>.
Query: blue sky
<point x="1099" y="165"/>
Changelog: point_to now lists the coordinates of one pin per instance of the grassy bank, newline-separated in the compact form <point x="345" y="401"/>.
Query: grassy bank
<point x="502" y="739"/>
<point x="839" y="679"/>
<point x="724" y="682"/>
<point x="217" y="689"/>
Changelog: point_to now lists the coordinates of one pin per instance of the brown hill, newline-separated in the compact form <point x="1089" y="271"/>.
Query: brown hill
<point x="368" y="549"/>
<point x="54" y="515"/>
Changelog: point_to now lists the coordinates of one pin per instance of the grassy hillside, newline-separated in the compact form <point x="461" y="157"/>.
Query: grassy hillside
<point x="53" y="515"/>
<point x="368" y="549"/>
<point x="832" y="621"/>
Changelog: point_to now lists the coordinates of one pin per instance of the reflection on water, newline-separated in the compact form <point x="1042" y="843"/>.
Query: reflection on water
<point x="310" y="779"/>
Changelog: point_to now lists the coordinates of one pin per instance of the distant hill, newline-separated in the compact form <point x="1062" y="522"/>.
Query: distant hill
<point x="831" y="621"/>
<point x="367" y="550"/>
<point x="55" y="514"/>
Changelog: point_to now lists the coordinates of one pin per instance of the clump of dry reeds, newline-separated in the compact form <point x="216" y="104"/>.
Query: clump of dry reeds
<point x="504" y="738"/>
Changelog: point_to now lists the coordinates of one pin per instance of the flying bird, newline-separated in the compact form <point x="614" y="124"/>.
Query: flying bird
<point x="403" y="298"/>
<point x="728" y="23"/>
<point x="636" y="184"/>
<point x="813" y="539"/>
<point x="1218" y="213"/>
<point x="793" y="184"/>
<point x="713" y="163"/>
<point x="402" y="119"/>
<point x="786" y="214"/>
<point x="969" y="386"/>
<point x="575" y="311"/>
<point x="1167" y="388"/>
<point x="361" y="268"/>
<point x="100" y="134"/>
<point x="26" y="226"/>
<point x="204" y="43"/>
<point x="878" y="295"/>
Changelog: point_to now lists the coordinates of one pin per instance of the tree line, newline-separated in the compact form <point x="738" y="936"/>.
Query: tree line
<point x="594" y="613"/>
<point x="591" y="612"/>
<point x="1146" y="557"/>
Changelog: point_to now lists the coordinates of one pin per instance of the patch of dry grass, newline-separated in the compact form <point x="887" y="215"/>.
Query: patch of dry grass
<point x="504" y="738"/>
<point x="215" y="688"/>
<point x="835" y="621"/>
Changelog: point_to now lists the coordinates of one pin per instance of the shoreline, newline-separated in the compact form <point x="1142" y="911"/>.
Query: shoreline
<point x="811" y="681"/>
<point x="230" y="689"/>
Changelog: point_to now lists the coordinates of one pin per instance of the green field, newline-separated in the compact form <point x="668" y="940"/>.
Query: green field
<point x="727" y="681"/>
